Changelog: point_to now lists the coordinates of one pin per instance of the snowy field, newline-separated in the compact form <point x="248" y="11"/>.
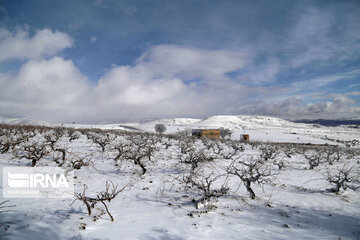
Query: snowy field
<point x="174" y="186"/>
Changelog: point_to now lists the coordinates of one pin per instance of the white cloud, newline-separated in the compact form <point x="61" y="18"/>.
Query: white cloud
<point x="318" y="82"/>
<point x="266" y="72"/>
<point x="166" y="81"/>
<point x="162" y="72"/>
<point x="323" y="37"/>
<point x="22" y="46"/>
<point x="337" y="106"/>
<point x="135" y="86"/>
<point x="170" y="60"/>
<point x="156" y="86"/>
<point x="47" y="89"/>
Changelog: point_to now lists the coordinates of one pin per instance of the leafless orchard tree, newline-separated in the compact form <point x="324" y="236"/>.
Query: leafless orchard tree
<point x="5" y="142"/>
<point x="59" y="155"/>
<point x="268" y="152"/>
<point x="101" y="139"/>
<point x="12" y="139"/>
<point x="342" y="176"/>
<point x="313" y="156"/>
<point x="185" y="145"/>
<point x="121" y="148"/>
<point x="204" y="185"/>
<point x="279" y="163"/>
<point x="332" y="154"/>
<point x="215" y="145"/>
<point x="231" y="149"/>
<point x="33" y="151"/>
<point x="26" y="133"/>
<point x="151" y="139"/>
<point x="77" y="161"/>
<point x="139" y="157"/>
<point x="220" y="148"/>
<point x="251" y="171"/>
<point x="194" y="157"/>
<point x="111" y="191"/>
<point x="289" y="150"/>
<point x="73" y="134"/>
<point x="137" y="149"/>
<point x="167" y="143"/>
<point x="52" y="138"/>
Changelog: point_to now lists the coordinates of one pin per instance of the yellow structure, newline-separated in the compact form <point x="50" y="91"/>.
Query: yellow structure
<point x="208" y="133"/>
<point x="211" y="133"/>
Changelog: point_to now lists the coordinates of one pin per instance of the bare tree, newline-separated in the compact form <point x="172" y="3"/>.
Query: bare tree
<point x="5" y="143"/>
<point x="204" y="185"/>
<point x="341" y="176"/>
<point x="232" y="149"/>
<point x="73" y="134"/>
<point x="194" y="157"/>
<point x="225" y="132"/>
<point x="11" y="139"/>
<point x="77" y="161"/>
<point x="268" y="152"/>
<point x="101" y="139"/>
<point x="253" y="171"/>
<point x="280" y="163"/>
<point x="185" y="145"/>
<point x="332" y="154"/>
<point x="109" y="194"/>
<point x="314" y="157"/>
<point x="59" y="155"/>
<point x="33" y="151"/>
<point x="289" y="150"/>
<point x="121" y="149"/>
<point x="137" y="149"/>
<point x="52" y="138"/>
<point x="139" y="156"/>
<point x="167" y="143"/>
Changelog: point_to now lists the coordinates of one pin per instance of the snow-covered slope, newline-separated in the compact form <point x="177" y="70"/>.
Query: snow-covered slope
<point x="22" y="121"/>
<point x="231" y="122"/>
<point x="260" y="128"/>
<point x="248" y="122"/>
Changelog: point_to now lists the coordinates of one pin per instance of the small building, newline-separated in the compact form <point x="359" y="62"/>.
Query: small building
<point x="244" y="138"/>
<point x="209" y="133"/>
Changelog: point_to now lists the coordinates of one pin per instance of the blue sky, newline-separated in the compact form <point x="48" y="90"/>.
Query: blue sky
<point x="106" y="61"/>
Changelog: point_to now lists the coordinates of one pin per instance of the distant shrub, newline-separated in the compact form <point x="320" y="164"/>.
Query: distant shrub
<point x="160" y="128"/>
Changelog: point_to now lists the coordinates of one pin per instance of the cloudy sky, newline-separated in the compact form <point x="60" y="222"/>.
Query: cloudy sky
<point x="105" y="60"/>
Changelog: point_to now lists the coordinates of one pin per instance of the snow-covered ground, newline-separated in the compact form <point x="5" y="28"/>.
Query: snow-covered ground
<point x="294" y="203"/>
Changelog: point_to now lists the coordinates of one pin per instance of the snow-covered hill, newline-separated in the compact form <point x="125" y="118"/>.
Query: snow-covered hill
<point x="260" y="128"/>
<point x="231" y="122"/>
<point x="248" y="122"/>
<point x="22" y="121"/>
<point x="225" y="121"/>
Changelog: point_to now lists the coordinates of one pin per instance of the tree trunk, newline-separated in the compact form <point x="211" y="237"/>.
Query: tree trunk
<point x="248" y="188"/>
